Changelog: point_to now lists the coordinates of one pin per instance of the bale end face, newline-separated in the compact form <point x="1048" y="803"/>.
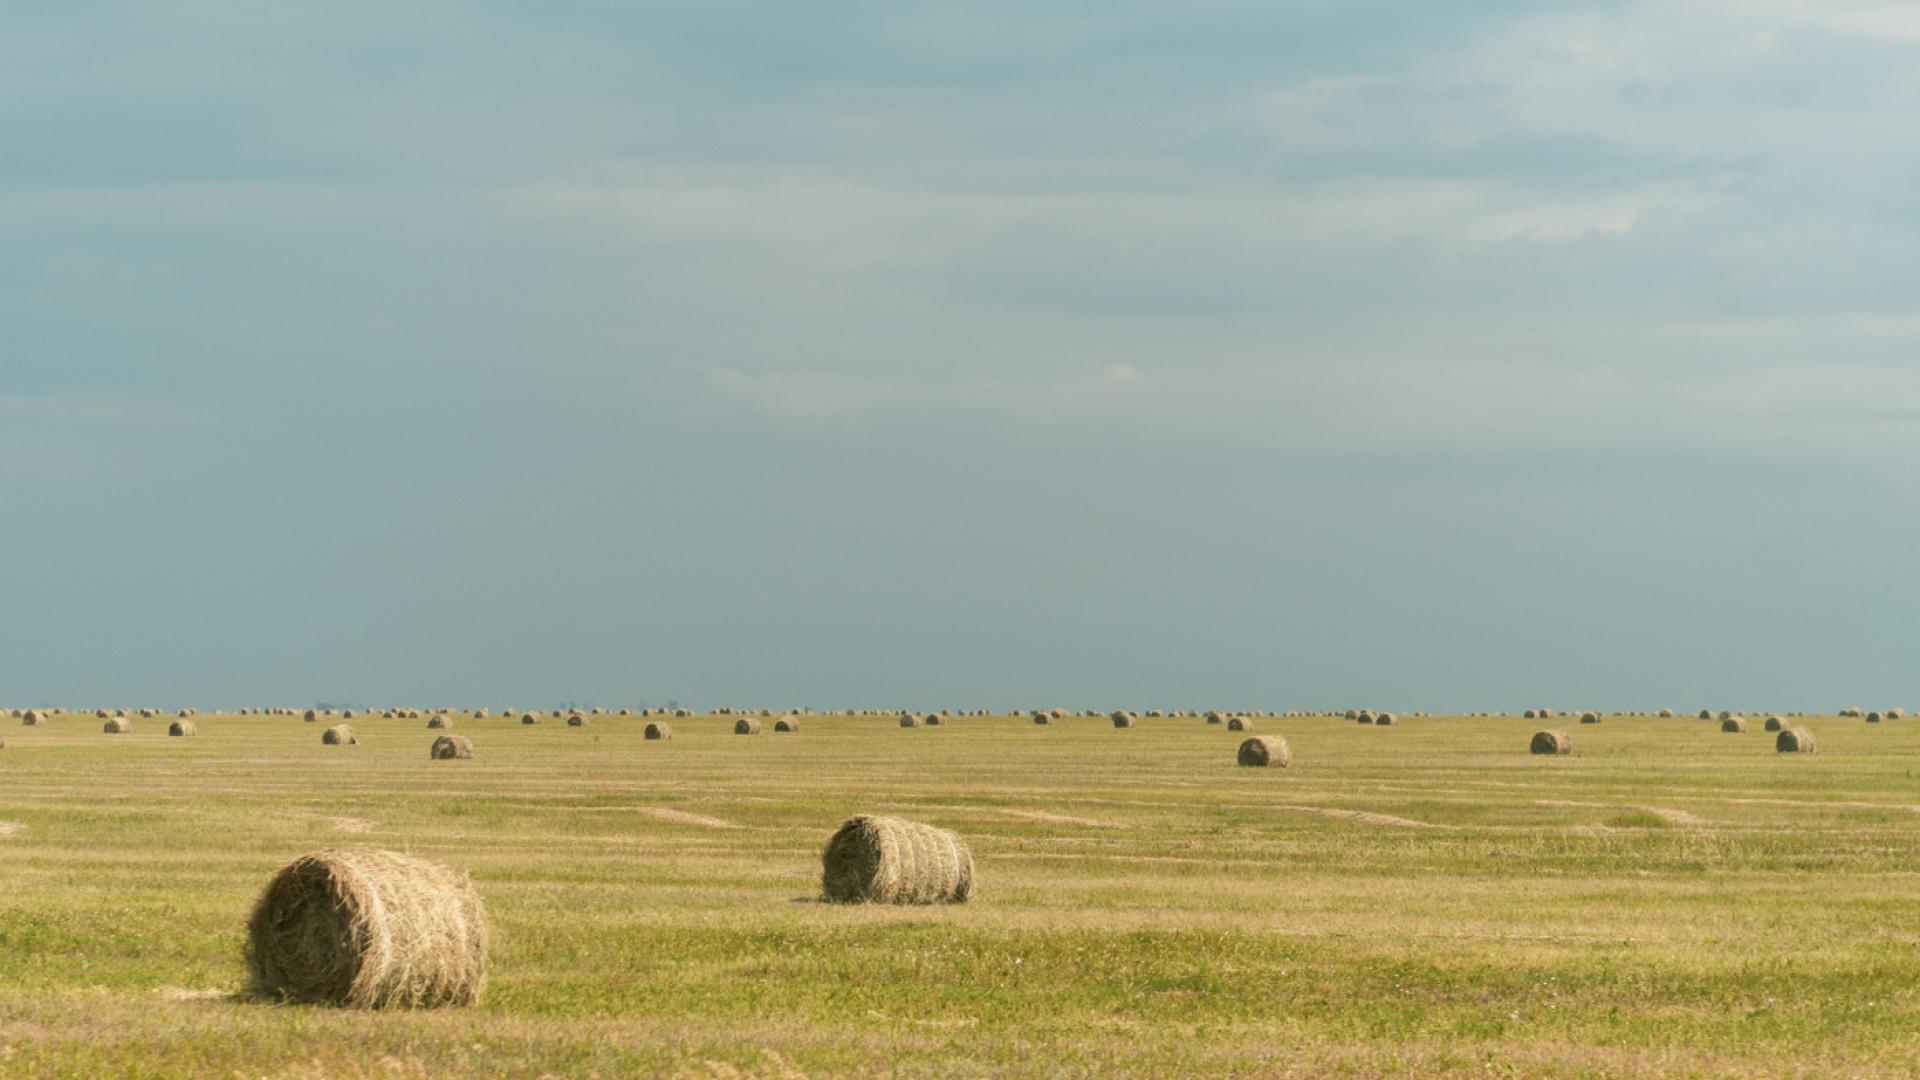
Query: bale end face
<point x="338" y="735"/>
<point x="439" y="723"/>
<point x="116" y="725"/>
<point x="659" y="731"/>
<point x="1385" y="719"/>
<point x="451" y="748"/>
<point x="1239" y="723"/>
<point x="182" y="727"/>
<point x="933" y="720"/>
<point x="749" y="725"/>
<point x="886" y="860"/>
<point x="1042" y="718"/>
<point x="909" y="720"/>
<point x="1551" y="742"/>
<point x="1265" y="751"/>
<point x="1121" y="719"/>
<point x="1873" y="718"/>
<point x="368" y="929"/>
<point x="787" y="723"/>
<point x="1794" y="740"/>
<point x="529" y="718"/>
<point x="1736" y="724"/>
<point x="1589" y="717"/>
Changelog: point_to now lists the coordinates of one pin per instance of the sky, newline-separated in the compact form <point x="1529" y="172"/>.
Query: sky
<point x="1276" y="355"/>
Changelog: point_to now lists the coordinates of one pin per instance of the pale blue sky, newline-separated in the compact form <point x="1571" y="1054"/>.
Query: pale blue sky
<point x="1257" y="355"/>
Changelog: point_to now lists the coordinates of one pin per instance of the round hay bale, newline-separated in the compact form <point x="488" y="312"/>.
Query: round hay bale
<point x="747" y="725"/>
<point x="368" y="929"/>
<point x="909" y="720"/>
<point x="1353" y="714"/>
<point x="933" y="719"/>
<point x="33" y="718"/>
<point x="682" y="713"/>
<point x="1365" y="717"/>
<point x="338" y="735"/>
<point x="1265" y="751"/>
<point x="1239" y="723"/>
<point x="1896" y="714"/>
<point x="1589" y="717"/>
<point x="1666" y="713"/>
<point x="1384" y="719"/>
<point x="1774" y="723"/>
<point x="577" y="720"/>
<point x="451" y="748"/>
<point x="1873" y="717"/>
<point x="657" y="730"/>
<point x="116" y="725"/>
<point x="182" y="727"/>
<point x="1530" y="716"/>
<point x="1706" y="714"/>
<point x="313" y="716"/>
<point x="529" y="718"/>
<point x="1216" y="717"/>
<point x="888" y="860"/>
<point x="1794" y="740"/>
<point x="1123" y="719"/>
<point x="1737" y="724"/>
<point x="439" y="723"/>
<point x="1042" y="718"/>
<point x="1551" y="742"/>
<point x="788" y="722"/>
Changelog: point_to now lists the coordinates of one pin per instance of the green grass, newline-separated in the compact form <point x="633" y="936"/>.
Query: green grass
<point x="1422" y="900"/>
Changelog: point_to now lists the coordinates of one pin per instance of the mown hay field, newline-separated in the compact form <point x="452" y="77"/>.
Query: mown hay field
<point x="1426" y="899"/>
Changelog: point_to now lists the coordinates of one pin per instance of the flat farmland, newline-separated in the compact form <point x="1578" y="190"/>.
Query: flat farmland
<point x="1426" y="899"/>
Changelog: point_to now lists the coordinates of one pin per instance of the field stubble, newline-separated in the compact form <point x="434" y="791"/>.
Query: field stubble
<point x="1426" y="899"/>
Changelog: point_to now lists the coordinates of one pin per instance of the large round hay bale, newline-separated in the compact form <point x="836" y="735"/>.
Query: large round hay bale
<point x="1123" y="719"/>
<point x="1873" y="717"/>
<point x="1896" y="713"/>
<point x="747" y="725"/>
<point x="1590" y="717"/>
<point x="1734" y="724"/>
<point x="888" y="860"/>
<point x="576" y="720"/>
<point x="1529" y="715"/>
<point x="1794" y="740"/>
<point x="182" y="727"/>
<point x="1385" y="719"/>
<point x="909" y="720"/>
<point x="1706" y="714"/>
<point x="1365" y="717"/>
<point x="116" y="725"/>
<point x="451" y="748"/>
<point x="368" y="929"/>
<point x="313" y="716"/>
<point x="440" y="723"/>
<point x="1239" y="723"/>
<point x="1042" y="718"/>
<point x="683" y="713"/>
<point x="933" y="719"/>
<point x="1551" y="742"/>
<point x="1666" y="713"/>
<point x="1265" y="751"/>
<point x="1774" y="723"/>
<point x="1215" y="716"/>
<point x="339" y="735"/>
<point x="529" y="718"/>
<point x="657" y="730"/>
<point x="788" y="722"/>
<point x="33" y="718"/>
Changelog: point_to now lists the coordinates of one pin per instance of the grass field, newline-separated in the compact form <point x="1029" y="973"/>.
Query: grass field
<point x="1422" y="900"/>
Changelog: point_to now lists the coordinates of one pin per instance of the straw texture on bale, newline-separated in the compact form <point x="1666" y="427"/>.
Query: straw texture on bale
<point x="909" y="720"/>
<point x="1589" y="717"/>
<point x="182" y="727"/>
<point x="439" y="723"/>
<point x="657" y="730"/>
<point x="529" y="718"/>
<point x="313" y="715"/>
<point x="787" y="723"/>
<point x="577" y="721"/>
<point x="1873" y="717"/>
<point x="1042" y="718"/>
<point x="339" y="735"/>
<point x="451" y="748"/>
<point x="368" y="929"/>
<point x="1734" y="723"/>
<point x="888" y="860"/>
<point x="1122" y="719"/>
<point x="1551" y="742"/>
<point x="1265" y="751"/>
<point x="33" y="718"/>
<point x="933" y="719"/>
<point x="116" y="725"/>
<point x="747" y="725"/>
<point x="1239" y="723"/>
<point x="1385" y="719"/>
<point x="1216" y="717"/>
<point x="1896" y="714"/>
<point x="1774" y="723"/>
<point x="1794" y="740"/>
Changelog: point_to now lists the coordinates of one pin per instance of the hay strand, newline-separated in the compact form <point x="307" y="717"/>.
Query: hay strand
<point x="887" y="860"/>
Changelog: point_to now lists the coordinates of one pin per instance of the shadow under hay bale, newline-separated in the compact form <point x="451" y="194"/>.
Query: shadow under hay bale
<point x="116" y="725"/>
<point x="747" y="725"/>
<point x="1239" y="723"/>
<point x="1551" y="742"/>
<point x="339" y="735"/>
<point x="1774" y="723"/>
<point x="451" y="748"/>
<point x="887" y="860"/>
<point x="1737" y="724"/>
<point x="182" y="727"/>
<point x="1264" y="751"/>
<point x="787" y="723"/>
<point x="368" y="929"/>
<point x="659" y="731"/>
<point x="1794" y="740"/>
<point x="439" y="723"/>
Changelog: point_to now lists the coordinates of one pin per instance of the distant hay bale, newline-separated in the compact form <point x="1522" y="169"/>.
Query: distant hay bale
<point x="116" y="725"/>
<point x="933" y="719"/>
<point x="576" y="720"/>
<point x="529" y="718"/>
<point x="1736" y="724"/>
<point x="1873" y="717"/>
<point x="1666" y="713"/>
<point x="1042" y="718"/>
<point x="182" y="727"/>
<point x="313" y="716"/>
<point x="451" y="748"/>
<point x="481" y="713"/>
<point x="1265" y="751"/>
<point x="1794" y="740"/>
<point x="1896" y="713"/>
<point x="33" y="718"/>
<point x="909" y="720"/>
<point x="1706" y="714"/>
<point x="658" y="730"/>
<point x="1385" y="719"/>
<point x="788" y="722"/>
<point x="1353" y="714"/>
<point x="1059" y="714"/>
<point x="682" y="712"/>
<point x="888" y="860"/>
<point x="1123" y="719"/>
<point x="439" y="723"/>
<point x="368" y="929"/>
<point x="1551" y="742"/>
<point x="339" y="735"/>
<point x="747" y="725"/>
<point x="1774" y="723"/>
<point x="1365" y="717"/>
<point x="1239" y="723"/>
<point x="1216" y="717"/>
<point x="1589" y="717"/>
<point x="1530" y="715"/>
